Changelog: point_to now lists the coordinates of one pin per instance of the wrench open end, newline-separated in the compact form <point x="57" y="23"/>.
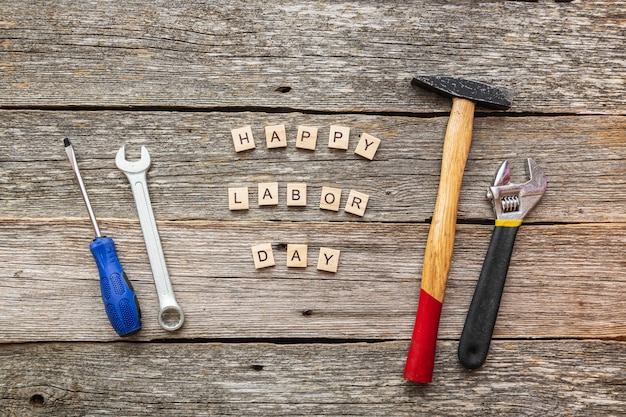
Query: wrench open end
<point x="133" y="166"/>
<point x="515" y="201"/>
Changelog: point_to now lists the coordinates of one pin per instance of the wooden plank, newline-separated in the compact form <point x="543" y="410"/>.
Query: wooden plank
<point x="291" y="341"/>
<point x="564" y="281"/>
<point x="566" y="378"/>
<point x="193" y="165"/>
<point x="315" y="55"/>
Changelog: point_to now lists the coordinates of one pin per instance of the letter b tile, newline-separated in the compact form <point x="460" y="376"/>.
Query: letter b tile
<point x="296" y="194"/>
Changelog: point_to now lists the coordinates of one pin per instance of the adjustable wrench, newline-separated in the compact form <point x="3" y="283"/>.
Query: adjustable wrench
<point x="511" y="203"/>
<point x="170" y="316"/>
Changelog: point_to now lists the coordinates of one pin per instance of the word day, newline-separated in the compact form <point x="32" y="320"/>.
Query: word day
<point x="297" y="257"/>
<point x="268" y="195"/>
<point x="306" y="138"/>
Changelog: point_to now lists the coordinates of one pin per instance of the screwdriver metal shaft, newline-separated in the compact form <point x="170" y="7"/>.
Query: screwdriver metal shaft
<point x="69" y="150"/>
<point x="119" y="298"/>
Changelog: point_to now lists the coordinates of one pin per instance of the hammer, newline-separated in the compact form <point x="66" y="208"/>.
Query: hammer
<point x="440" y="244"/>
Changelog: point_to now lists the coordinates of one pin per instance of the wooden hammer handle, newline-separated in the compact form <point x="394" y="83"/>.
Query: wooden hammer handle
<point x="440" y="243"/>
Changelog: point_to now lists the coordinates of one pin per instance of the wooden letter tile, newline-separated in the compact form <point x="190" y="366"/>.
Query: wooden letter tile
<point x="276" y="136"/>
<point x="339" y="137"/>
<point x="238" y="198"/>
<point x="297" y="256"/>
<point x="296" y="194"/>
<point x="367" y="147"/>
<point x="330" y="199"/>
<point x="356" y="203"/>
<point x="307" y="137"/>
<point x="263" y="256"/>
<point x="268" y="194"/>
<point x="328" y="260"/>
<point x="243" y="139"/>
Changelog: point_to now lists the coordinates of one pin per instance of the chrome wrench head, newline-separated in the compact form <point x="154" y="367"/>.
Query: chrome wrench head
<point x="514" y="201"/>
<point x="133" y="167"/>
<point x="171" y="316"/>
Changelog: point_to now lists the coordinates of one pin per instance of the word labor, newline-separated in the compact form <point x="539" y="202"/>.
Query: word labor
<point x="296" y="196"/>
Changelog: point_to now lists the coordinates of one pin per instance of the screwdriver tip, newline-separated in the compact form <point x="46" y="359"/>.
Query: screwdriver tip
<point x="67" y="143"/>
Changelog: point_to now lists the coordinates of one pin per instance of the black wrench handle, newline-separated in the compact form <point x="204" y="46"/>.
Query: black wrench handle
<point x="483" y="310"/>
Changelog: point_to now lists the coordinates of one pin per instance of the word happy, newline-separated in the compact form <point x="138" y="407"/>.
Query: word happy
<point x="306" y="138"/>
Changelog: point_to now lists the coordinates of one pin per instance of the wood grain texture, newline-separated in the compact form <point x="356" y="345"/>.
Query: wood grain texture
<point x="178" y="78"/>
<point x="440" y="242"/>
<point x="564" y="281"/>
<point x="314" y="55"/>
<point x="194" y="163"/>
<point x="567" y="378"/>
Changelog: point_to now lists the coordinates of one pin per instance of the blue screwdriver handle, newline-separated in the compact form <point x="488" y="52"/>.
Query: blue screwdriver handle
<point x="118" y="295"/>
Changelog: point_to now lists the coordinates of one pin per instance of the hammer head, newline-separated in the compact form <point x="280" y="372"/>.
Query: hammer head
<point x="480" y="93"/>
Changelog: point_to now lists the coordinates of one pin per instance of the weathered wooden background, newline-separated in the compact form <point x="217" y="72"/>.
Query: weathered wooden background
<point x="178" y="77"/>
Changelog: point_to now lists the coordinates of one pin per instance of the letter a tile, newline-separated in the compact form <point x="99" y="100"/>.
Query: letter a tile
<point x="268" y="194"/>
<point x="297" y="256"/>
<point x="276" y="136"/>
<point x="263" y="256"/>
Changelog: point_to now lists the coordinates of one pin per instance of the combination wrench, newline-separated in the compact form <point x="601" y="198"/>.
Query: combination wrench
<point x="171" y="315"/>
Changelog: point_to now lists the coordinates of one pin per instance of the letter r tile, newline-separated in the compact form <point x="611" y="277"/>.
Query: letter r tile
<point x="328" y="260"/>
<point x="367" y="146"/>
<point x="263" y="255"/>
<point x="356" y="203"/>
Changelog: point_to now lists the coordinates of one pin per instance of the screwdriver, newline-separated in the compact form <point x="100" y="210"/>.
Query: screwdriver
<point x="120" y="301"/>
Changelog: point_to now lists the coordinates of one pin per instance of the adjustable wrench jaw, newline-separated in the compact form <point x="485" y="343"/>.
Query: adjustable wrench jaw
<point x="514" y="201"/>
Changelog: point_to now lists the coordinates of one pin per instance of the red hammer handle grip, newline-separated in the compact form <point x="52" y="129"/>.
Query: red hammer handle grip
<point x="421" y="358"/>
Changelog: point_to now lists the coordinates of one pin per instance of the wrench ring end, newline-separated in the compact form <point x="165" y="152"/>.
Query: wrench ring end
<point x="171" y="318"/>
